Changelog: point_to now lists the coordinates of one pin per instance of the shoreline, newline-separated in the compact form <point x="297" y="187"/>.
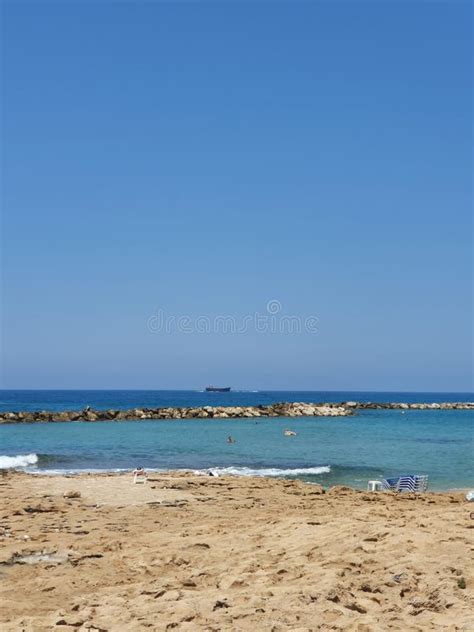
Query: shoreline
<point x="230" y="553"/>
<point x="281" y="409"/>
<point x="127" y="473"/>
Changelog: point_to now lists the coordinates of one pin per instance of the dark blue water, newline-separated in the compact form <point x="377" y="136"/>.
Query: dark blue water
<point x="346" y="450"/>
<point x="75" y="400"/>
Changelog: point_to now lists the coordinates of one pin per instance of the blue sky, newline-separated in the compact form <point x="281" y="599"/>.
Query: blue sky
<point x="203" y="159"/>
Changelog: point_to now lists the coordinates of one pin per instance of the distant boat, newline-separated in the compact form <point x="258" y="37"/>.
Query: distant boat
<point x="217" y="389"/>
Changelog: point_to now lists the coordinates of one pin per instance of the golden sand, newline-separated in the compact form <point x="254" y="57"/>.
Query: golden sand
<point x="187" y="552"/>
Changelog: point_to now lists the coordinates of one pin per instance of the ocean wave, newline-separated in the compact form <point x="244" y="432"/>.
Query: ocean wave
<point x="78" y="471"/>
<point x="20" y="460"/>
<point x="96" y="470"/>
<point x="271" y="471"/>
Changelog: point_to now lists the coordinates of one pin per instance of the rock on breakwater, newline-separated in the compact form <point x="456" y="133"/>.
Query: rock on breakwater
<point x="282" y="409"/>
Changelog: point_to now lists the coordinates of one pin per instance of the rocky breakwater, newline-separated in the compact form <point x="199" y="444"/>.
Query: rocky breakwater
<point x="411" y="406"/>
<point x="282" y="409"/>
<point x="202" y="412"/>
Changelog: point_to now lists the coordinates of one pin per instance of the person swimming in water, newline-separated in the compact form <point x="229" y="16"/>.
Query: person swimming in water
<point x="230" y="439"/>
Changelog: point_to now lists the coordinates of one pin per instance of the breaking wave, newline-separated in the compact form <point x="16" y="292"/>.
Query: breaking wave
<point x="20" y="460"/>
<point x="271" y="471"/>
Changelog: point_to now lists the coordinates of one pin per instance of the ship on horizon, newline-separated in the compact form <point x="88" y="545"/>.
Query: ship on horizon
<point x="217" y="389"/>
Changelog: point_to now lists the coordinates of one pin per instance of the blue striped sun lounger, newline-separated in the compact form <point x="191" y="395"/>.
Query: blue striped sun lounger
<point x="409" y="483"/>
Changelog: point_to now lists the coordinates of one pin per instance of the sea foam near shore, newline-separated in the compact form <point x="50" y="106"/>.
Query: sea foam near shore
<point x="271" y="471"/>
<point x="20" y="460"/>
<point x="29" y="462"/>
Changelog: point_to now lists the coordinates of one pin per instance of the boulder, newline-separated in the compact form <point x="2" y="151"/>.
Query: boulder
<point x="64" y="416"/>
<point x="72" y="494"/>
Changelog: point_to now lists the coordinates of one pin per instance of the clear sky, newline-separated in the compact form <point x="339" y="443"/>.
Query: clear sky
<point x="197" y="159"/>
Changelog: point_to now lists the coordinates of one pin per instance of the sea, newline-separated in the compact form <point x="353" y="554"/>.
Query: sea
<point x="342" y="450"/>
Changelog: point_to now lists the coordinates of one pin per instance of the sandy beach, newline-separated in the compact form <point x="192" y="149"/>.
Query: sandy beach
<point x="189" y="552"/>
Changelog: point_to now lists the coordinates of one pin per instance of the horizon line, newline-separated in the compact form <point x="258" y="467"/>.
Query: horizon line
<point x="241" y="390"/>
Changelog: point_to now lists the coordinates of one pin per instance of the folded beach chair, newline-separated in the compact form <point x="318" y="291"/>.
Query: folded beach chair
<point x="409" y="483"/>
<point x="139" y="475"/>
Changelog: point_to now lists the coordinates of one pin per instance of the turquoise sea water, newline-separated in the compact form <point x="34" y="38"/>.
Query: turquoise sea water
<point x="349" y="450"/>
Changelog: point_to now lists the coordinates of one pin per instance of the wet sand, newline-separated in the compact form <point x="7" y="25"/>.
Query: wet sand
<point x="187" y="552"/>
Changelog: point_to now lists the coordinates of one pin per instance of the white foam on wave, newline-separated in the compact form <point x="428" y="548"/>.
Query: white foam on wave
<point x="25" y="460"/>
<point x="270" y="471"/>
<point x="78" y="471"/>
<point x="20" y="460"/>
